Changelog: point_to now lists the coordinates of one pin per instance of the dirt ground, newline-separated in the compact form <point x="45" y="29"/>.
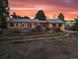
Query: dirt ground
<point x="63" y="48"/>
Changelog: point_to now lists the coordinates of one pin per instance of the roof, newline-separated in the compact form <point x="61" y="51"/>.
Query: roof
<point x="55" y="21"/>
<point x="26" y="20"/>
<point x="20" y="20"/>
<point x="36" y="20"/>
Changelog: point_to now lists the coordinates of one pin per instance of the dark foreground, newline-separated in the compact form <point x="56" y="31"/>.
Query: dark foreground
<point x="64" y="48"/>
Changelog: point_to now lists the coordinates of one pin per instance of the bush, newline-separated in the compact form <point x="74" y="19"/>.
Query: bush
<point x="75" y="26"/>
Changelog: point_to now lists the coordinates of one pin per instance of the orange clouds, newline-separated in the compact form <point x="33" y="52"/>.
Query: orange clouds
<point x="49" y="13"/>
<point x="51" y="7"/>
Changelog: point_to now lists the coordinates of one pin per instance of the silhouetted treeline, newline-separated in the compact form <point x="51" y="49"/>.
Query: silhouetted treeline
<point x="19" y="17"/>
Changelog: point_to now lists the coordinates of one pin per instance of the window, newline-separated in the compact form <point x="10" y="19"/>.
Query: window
<point x="23" y="25"/>
<point x="16" y="24"/>
<point x="44" y="25"/>
<point x="60" y="24"/>
<point x="54" y="24"/>
<point x="30" y="26"/>
<point x="11" y="24"/>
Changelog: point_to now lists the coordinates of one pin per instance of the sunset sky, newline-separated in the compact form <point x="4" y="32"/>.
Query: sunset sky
<point x="51" y="8"/>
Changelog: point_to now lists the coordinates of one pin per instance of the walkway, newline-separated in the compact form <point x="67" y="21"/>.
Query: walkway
<point x="33" y="37"/>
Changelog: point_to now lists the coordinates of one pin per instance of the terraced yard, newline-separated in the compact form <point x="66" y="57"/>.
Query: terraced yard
<point x="39" y="46"/>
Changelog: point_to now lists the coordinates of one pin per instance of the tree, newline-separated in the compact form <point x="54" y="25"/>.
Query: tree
<point x="61" y="16"/>
<point x="75" y="25"/>
<point x="4" y="13"/>
<point x="21" y="17"/>
<point x="26" y="17"/>
<point x="14" y="15"/>
<point x="40" y="15"/>
<point x="18" y="16"/>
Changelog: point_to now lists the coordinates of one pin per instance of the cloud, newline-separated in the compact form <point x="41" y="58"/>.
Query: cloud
<point x="58" y="3"/>
<point x="37" y="7"/>
<point x="50" y="7"/>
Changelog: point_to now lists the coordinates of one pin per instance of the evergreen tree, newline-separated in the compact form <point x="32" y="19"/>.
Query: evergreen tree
<point x="4" y="14"/>
<point x="61" y="16"/>
<point x="75" y="25"/>
<point x="40" y="15"/>
<point x="14" y="15"/>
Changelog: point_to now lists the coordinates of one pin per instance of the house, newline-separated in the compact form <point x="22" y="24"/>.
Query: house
<point x="69" y="24"/>
<point x="56" y="23"/>
<point x="32" y="23"/>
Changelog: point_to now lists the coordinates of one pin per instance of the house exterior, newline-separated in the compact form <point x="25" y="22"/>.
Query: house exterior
<point x="69" y="24"/>
<point x="30" y="24"/>
<point x="56" y="23"/>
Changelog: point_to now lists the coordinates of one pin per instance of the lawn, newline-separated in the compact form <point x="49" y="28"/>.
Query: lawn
<point x="55" y="48"/>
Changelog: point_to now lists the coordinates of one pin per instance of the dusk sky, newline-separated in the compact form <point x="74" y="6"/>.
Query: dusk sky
<point x="51" y="7"/>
